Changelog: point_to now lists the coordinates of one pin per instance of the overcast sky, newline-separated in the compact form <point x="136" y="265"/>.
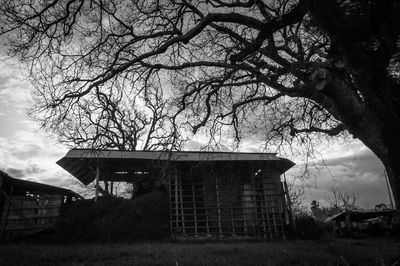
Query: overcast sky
<point x="27" y="153"/>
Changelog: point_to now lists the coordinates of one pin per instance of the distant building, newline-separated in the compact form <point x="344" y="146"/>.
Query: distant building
<point x="368" y="222"/>
<point x="28" y="207"/>
<point x="212" y="194"/>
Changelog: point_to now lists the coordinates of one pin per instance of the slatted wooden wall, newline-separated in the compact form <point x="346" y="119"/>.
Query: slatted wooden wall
<point x="224" y="200"/>
<point x="23" y="215"/>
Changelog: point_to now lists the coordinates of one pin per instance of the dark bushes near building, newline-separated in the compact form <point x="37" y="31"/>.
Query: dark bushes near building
<point x="114" y="219"/>
<point x="309" y="228"/>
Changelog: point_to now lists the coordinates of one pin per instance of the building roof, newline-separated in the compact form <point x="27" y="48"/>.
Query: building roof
<point x="359" y="216"/>
<point x="23" y="186"/>
<point x="82" y="163"/>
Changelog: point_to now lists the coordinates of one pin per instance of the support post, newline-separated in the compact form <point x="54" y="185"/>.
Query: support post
<point x="194" y="209"/>
<point x="218" y="205"/>
<point x="177" y="198"/>
<point x="244" y="208"/>
<point x="181" y="200"/>
<point x="289" y="203"/>
<point x="1" y="194"/>
<point x="97" y="183"/>
<point x="267" y="214"/>
<point x="171" y="203"/>
<point x="230" y="173"/>
<point x="6" y="210"/>
<point x="389" y="191"/>
<point x="106" y="187"/>
<point x="205" y="205"/>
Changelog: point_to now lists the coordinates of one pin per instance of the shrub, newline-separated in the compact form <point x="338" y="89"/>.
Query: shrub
<point x="307" y="228"/>
<point x="146" y="217"/>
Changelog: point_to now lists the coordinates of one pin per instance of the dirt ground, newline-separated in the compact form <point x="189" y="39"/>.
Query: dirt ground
<point x="334" y="252"/>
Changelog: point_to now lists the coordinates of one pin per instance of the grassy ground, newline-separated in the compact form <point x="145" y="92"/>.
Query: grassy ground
<point x="339" y="252"/>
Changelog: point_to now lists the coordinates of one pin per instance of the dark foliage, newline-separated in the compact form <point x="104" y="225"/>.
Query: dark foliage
<point x="111" y="219"/>
<point x="309" y="228"/>
<point x="306" y="227"/>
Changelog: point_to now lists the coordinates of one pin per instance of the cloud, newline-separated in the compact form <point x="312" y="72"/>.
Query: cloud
<point x="360" y="172"/>
<point x="14" y="172"/>
<point x="30" y="170"/>
<point x="4" y="80"/>
<point x="14" y="88"/>
<point x="28" y="151"/>
<point x="25" y="152"/>
<point x="31" y="156"/>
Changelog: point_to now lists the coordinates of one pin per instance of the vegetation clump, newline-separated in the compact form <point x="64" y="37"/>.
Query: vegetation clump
<point x="114" y="219"/>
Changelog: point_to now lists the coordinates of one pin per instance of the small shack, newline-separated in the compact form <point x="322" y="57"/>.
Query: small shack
<point x="212" y="194"/>
<point x="29" y="207"/>
<point x="361" y="221"/>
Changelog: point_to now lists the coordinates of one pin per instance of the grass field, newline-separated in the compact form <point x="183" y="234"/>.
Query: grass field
<point x="338" y="252"/>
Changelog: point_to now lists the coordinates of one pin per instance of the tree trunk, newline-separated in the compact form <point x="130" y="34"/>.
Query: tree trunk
<point x="389" y="154"/>
<point x="393" y="172"/>
<point x="392" y="166"/>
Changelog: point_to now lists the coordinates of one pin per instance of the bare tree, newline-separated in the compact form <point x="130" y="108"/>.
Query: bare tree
<point x="111" y="119"/>
<point x="343" y="201"/>
<point x="297" y="198"/>
<point x="292" y="69"/>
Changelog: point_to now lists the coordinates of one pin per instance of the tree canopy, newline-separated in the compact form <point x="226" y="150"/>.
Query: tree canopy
<point x="138" y="74"/>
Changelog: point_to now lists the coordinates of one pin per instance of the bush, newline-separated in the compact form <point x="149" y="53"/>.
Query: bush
<point x="146" y="217"/>
<point x="307" y="228"/>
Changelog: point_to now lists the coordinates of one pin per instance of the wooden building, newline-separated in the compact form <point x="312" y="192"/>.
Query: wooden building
<point x="28" y="207"/>
<point x="212" y="194"/>
<point x="348" y="223"/>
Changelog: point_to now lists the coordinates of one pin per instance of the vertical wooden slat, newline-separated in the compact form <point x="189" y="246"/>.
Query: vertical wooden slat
<point x="179" y="176"/>
<point x="97" y="183"/>
<point x="263" y="218"/>
<point x="218" y="204"/>
<point x="274" y="217"/>
<point x="176" y="198"/>
<point x="262" y="205"/>
<point x="254" y="200"/>
<point x="170" y="202"/>
<point x="205" y="205"/>
<point x="230" y="199"/>
<point x="242" y="182"/>
<point x="268" y="221"/>
<point x="252" y="195"/>
<point x="194" y="209"/>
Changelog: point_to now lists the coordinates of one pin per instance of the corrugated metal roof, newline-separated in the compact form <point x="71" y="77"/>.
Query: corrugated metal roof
<point x="82" y="163"/>
<point x="174" y="156"/>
